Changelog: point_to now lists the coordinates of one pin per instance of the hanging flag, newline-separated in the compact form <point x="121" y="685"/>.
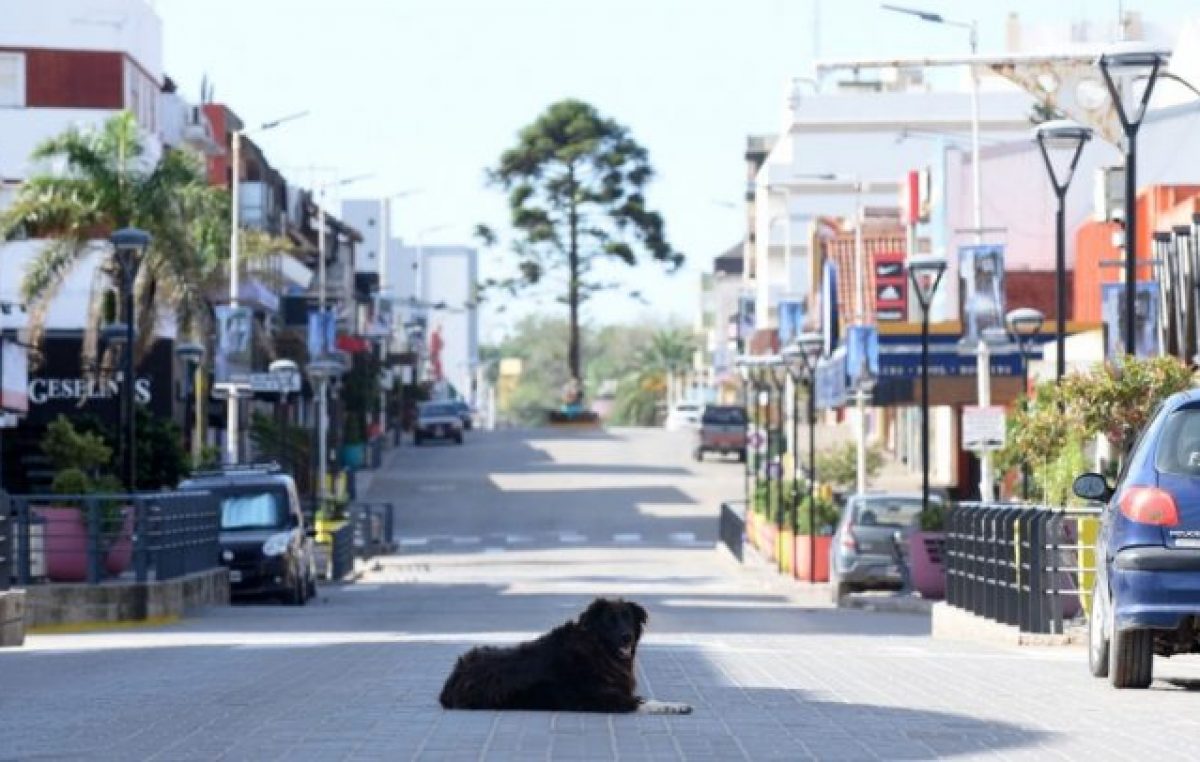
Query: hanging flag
<point x="830" y="317"/>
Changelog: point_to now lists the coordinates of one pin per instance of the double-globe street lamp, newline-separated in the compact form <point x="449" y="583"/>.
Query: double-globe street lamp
<point x="129" y="247"/>
<point x="802" y="357"/>
<point x="1065" y="140"/>
<point x="925" y="271"/>
<point x="1133" y="62"/>
<point x="1025" y="323"/>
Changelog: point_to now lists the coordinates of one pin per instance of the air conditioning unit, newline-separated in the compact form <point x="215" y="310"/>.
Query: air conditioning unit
<point x="1110" y="194"/>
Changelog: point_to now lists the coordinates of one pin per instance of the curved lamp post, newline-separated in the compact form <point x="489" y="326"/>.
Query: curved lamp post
<point x="1024" y="323"/>
<point x="129" y="246"/>
<point x="1064" y="139"/>
<point x="191" y="353"/>
<point x="1133" y="62"/>
<point x="925" y="271"/>
<point x="802" y="357"/>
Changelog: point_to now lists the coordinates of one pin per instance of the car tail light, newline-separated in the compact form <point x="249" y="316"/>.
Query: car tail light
<point x="849" y="542"/>
<point x="1150" y="505"/>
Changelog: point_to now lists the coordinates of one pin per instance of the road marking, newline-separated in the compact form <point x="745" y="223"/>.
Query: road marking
<point x="517" y="539"/>
<point x="360" y="588"/>
<point x="465" y="540"/>
<point x="627" y="538"/>
<point x="410" y="542"/>
<point x="437" y="488"/>
<point x="683" y="537"/>
<point x="572" y="537"/>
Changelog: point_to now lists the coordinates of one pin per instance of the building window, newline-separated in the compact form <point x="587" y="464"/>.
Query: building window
<point x="12" y="79"/>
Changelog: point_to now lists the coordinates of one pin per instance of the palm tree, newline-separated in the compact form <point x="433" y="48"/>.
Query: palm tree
<point x="96" y="181"/>
<point x="670" y="350"/>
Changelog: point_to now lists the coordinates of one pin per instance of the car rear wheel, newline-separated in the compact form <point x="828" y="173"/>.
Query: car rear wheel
<point x="1098" y="644"/>
<point x="1131" y="658"/>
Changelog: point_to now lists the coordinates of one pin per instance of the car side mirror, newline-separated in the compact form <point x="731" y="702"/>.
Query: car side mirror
<point x="1092" y="486"/>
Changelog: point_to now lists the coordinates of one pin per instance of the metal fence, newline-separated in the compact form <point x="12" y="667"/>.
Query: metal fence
<point x="90" y="538"/>
<point x="1027" y="566"/>
<point x="6" y="543"/>
<point x="733" y="528"/>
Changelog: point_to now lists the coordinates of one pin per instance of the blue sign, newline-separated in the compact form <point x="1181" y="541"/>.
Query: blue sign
<point x="830" y="319"/>
<point x="791" y="318"/>
<point x="831" y="381"/>
<point x="900" y="357"/>
<point x="322" y="333"/>
<point x="862" y="353"/>
<point x="1145" y="317"/>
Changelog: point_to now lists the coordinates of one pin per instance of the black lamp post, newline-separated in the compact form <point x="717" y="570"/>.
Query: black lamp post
<point x="191" y="354"/>
<point x="925" y="271"/>
<point x="1065" y="139"/>
<point x="129" y="245"/>
<point x="1133" y="61"/>
<point x="1024" y="323"/>
<point x="775" y="375"/>
<point x="744" y="372"/>
<point x="802" y="359"/>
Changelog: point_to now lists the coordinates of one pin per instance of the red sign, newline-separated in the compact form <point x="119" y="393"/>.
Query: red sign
<point x="891" y="286"/>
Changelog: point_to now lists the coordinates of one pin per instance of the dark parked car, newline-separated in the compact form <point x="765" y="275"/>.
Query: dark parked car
<point x="438" y="420"/>
<point x="722" y="430"/>
<point x="867" y="548"/>
<point x="465" y="413"/>
<point x="1146" y="593"/>
<point x="264" y="538"/>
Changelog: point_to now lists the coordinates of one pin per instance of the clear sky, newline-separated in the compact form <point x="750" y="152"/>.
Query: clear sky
<point x="426" y="94"/>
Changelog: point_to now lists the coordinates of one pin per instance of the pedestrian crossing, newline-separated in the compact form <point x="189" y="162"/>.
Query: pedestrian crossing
<point x="500" y="543"/>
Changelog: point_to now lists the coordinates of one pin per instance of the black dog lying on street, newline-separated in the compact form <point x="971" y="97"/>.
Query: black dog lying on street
<point x="583" y="666"/>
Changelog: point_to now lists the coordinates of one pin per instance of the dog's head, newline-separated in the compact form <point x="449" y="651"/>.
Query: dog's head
<point x="617" y="623"/>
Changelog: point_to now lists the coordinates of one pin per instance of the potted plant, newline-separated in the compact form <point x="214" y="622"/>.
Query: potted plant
<point x="926" y="546"/>
<point x="354" y="449"/>
<point x="77" y="457"/>
<point x="814" y="540"/>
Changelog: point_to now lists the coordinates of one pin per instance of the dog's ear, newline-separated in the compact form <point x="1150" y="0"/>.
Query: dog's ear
<point x="639" y="614"/>
<point x="592" y="614"/>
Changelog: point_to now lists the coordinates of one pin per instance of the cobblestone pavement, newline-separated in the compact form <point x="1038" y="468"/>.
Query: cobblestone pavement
<point x="772" y="671"/>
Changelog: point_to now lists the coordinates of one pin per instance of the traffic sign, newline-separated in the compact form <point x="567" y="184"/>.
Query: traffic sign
<point x="983" y="428"/>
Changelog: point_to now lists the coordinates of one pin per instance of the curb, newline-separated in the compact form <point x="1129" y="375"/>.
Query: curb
<point x="949" y="623"/>
<point x="899" y="604"/>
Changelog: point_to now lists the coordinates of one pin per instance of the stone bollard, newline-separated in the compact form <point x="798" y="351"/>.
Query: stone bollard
<point x="12" y="618"/>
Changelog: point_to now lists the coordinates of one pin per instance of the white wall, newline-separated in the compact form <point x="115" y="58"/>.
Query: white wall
<point x="131" y="26"/>
<point x="448" y="274"/>
<point x="363" y="216"/>
<point x="24" y="128"/>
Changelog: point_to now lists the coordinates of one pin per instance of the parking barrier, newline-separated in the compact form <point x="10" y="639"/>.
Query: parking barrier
<point x="1023" y="565"/>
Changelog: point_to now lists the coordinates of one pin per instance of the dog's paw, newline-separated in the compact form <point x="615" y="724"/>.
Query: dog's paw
<point x="650" y="706"/>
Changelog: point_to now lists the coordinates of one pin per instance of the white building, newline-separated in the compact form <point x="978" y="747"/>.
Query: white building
<point x="447" y="278"/>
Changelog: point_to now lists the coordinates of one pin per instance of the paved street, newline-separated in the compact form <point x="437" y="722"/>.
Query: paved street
<point x="514" y="533"/>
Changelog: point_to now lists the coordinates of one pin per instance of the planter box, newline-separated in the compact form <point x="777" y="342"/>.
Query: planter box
<point x="821" y="545"/>
<point x="65" y="544"/>
<point x="787" y="550"/>
<point x="926" y="563"/>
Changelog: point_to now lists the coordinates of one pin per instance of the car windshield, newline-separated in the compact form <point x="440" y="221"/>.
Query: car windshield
<point x="900" y="513"/>
<point x="435" y="411"/>
<point x="261" y="510"/>
<point x="718" y="415"/>
<point x="1179" y="446"/>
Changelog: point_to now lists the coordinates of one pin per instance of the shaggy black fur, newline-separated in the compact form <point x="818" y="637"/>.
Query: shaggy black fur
<point x="581" y="666"/>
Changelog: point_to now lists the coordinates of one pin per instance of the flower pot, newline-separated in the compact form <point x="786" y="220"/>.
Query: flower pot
<point x="820" y="546"/>
<point x="120" y="548"/>
<point x="354" y="455"/>
<point x="65" y="543"/>
<point x="787" y="550"/>
<point x="925" y="563"/>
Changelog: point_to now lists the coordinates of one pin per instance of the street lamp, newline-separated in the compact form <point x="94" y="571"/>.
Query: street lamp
<point x="1064" y="138"/>
<point x="774" y="372"/>
<point x="191" y="353"/>
<point x="1025" y="323"/>
<point x="129" y="247"/>
<point x="743" y="370"/>
<point x="1133" y="61"/>
<point x="232" y="424"/>
<point x="925" y="271"/>
<point x="802" y="359"/>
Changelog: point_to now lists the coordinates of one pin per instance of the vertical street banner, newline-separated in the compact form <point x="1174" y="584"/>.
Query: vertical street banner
<point x="831" y="389"/>
<point x="891" y="287"/>
<point x="830" y="316"/>
<point x="745" y="319"/>
<point x="1146" y="317"/>
<point x="14" y="378"/>
<point x="791" y="319"/>
<point x="322" y="333"/>
<point x="862" y="353"/>
<point x="235" y="342"/>
<point x="982" y="273"/>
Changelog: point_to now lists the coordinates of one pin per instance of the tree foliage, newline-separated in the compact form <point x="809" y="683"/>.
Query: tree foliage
<point x="839" y="465"/>
<point x="576" y="194"/>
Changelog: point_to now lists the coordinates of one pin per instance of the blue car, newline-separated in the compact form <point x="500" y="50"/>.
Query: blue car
<point x="1147" y="584"/>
